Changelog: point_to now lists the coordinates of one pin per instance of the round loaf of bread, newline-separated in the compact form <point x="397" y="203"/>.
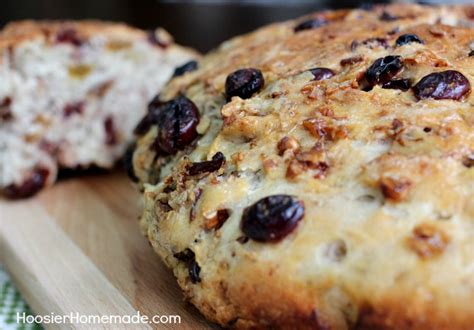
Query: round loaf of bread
<point x="319" y="173"/>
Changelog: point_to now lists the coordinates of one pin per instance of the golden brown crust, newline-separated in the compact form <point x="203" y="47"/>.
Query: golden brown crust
<point x="385" y="242"/>
<point x="20" y="31"/>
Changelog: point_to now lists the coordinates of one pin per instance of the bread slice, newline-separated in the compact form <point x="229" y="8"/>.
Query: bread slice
<point x="71" y="93"/>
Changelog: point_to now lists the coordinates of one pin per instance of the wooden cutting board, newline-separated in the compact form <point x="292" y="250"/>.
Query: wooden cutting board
<point x="76" y="247"/>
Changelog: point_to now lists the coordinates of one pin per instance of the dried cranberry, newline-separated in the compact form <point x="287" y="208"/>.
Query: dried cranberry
<point x="449" y="84"/>
<point x="408" y="38"/>
<point x="151" y="118"/>
<point x="5" y="109"/>
<point x="110" y="131"/>
<point x="388" y="17"/>
<point x="34" y="183"/>
<point x="186" y="67"/>
<point x="243" y="83"/>
<point x="189" y="258"/>
<point x="272" y="218"/>
<point x="185" y="255"/>
<point x="144" y="125"/>
<point x="311" y="24"/>
<point x="177" y="122"/>
<point x="383" y="70"/>
<point x="207" y="166"/>
<point x="322" y="73"/>
<point x="69" y="36"/>
<point x="128" y="163"/>
<point x="73" y="108"/>
<point x="401" y="84"/>
<point x="154" y="103"/>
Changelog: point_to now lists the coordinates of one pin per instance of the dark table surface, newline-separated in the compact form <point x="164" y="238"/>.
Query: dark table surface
<point x="201" y="24"/>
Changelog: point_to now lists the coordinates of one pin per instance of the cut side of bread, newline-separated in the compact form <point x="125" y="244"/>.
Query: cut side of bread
<point x="71" y="94"/>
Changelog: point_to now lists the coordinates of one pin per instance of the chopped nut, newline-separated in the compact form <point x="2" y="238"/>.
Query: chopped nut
<point x="269" y="164"/>
<point x="216" y="219"/>
<point x="294" y="169"/>
<point x="323" y="169"/>
<point x="237" y="157"/>
<point x="395" y="189"/>
<point x="336" y="133"/>
<point x="287" y="143"/>
<point x="315" y="127"/>
<point x="320" y="129"/>
<point x="436" y="31"/>
<point x="307" y="89"/>
<point x="327" y="112"/>
<point x="428" y="241"/>
<point x="468" y="161"/>
<point x="397" y="125"/>
<point x="309" y="158"/>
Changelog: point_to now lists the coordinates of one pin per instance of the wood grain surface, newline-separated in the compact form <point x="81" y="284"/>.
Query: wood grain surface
<point x="76" y="247"/>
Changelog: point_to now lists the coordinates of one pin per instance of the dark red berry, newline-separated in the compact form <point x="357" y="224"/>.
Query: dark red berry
<point x="128" y="163"/>
<point x="186" y="67"/>
<point x="69" y="36"/>
<point x="34" y="183"/>
<point x="5" y="109"/>
<point x="73" y="108"/>
<point x="243" y="83"/>
<point x="272" y="218"/>
<point x="401" y="84"/>
<point x="408" y="38"/>
<point x="189" y="258"/>
<point x="177" y="122"/>
<point x="322" y="73"/>
<point x="155" y="103"/>
<point x="144" y="125"/>
<point x="110" y="131"/>
<point x="311" y="24"/>
<point x="207" y="166"/>
<point x="449" y="84"/>
<point x="383" y="70"/>
<point x="185" y="255"/>
<point x="151" y="117"/>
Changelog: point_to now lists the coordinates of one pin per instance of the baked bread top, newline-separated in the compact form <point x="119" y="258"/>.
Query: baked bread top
<point x="327" y="184"/>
